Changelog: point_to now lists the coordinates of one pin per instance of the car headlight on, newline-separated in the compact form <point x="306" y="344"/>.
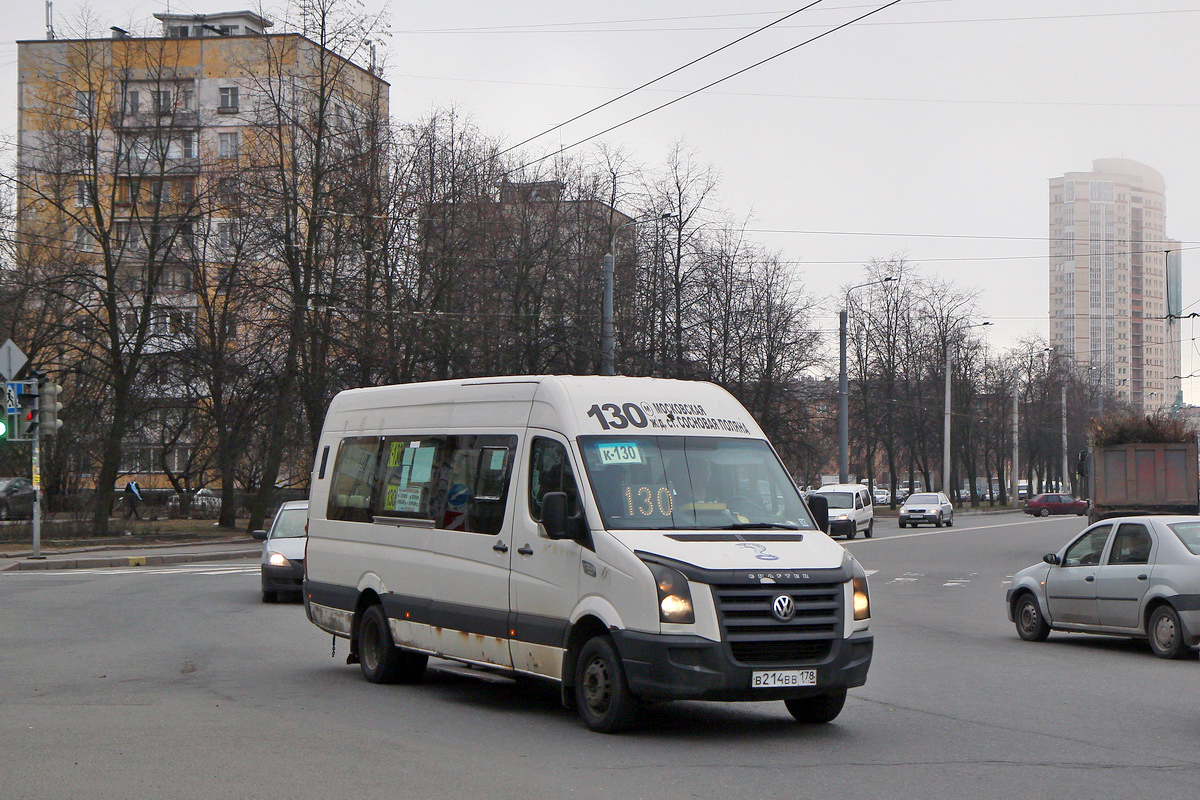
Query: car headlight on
<point x="277" y="560"/>
<point x="858" y="585"/>
<point x="674" y="595"/>
<point x="842" y="517"/>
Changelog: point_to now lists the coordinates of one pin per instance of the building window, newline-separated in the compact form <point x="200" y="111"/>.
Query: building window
<point x="85" y="194"/>
<point x="227" y="145"/>
<point x="132" y="101"/>
<point x="229" y="100"/>
<point x="228" y="30"/>
<point x="84" y="241"/>
<point x="160" y="191"/>
<point x="178" y="31"/>
<point x="187" y="144"/>
<point x="187" y="190"/>
<point x="187" y="100"/>
<point x="226" y="235"/>
<point x="85" y="103"/>
<point x="162" y="101"/>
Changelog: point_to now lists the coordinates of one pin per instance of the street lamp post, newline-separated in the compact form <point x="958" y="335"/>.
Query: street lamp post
<point x="844" y="384"/>
<point x="946" y="420"/>
<point x="607" y="340"/>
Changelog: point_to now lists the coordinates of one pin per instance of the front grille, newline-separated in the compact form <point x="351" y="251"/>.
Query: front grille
<point x="755" y="636"/>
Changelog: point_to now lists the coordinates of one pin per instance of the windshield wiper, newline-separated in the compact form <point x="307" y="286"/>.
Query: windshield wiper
<point x="750" y="526"/>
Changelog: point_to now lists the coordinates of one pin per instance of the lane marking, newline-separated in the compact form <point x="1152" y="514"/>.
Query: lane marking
<point x="941" y="532"/>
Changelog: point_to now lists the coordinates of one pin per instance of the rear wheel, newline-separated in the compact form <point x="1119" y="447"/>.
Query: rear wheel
<point x="870" y="529"/>
<point x="950" y="522"/>
<point x="1166" y="633"/>
<point x="380" y="659"/>
<point x="817" y="710"/>
<point x="602" y="694"/>
<point x="1031" y="625"/>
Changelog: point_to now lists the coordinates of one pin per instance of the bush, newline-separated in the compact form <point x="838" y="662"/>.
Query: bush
<point x="1138" y="429"/>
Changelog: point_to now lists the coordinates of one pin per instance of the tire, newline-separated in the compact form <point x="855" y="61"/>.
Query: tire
<point x="817" y="710"/>
<point x="270" y="597"/>
<point x="950" y="522"/>
<point x="937" y="523"/>
<point x="602" y="695"/>
<point x="1043" y="512"/>
<point x="1031" y="624"/>
<point x="853" y="532"/>
<point x="1165" y="633"/>
<point x="903" y="524"/>
<point x="870" y="532"/>
<point x="380" y="659"/>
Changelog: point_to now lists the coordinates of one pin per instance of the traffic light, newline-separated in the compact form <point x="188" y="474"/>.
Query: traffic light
<point x="27" y="413"/>
<point x="4" y="428"/>
<point x="48" y="407"/>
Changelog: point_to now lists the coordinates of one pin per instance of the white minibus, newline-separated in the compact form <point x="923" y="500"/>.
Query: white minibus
<point x="633" y="539"/>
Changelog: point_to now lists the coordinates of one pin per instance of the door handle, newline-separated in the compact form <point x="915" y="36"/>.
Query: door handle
<point x="500" y="547"/>
<point x="526" y="550"/>
<point x="1143" y="577"/>
<point x="1090" y="578"/>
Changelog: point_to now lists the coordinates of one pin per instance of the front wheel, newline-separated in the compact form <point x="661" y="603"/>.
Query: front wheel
<point x="817" y="710"/>
<point x="1044" y="512"/>
<point x="937" y="523"/>
<point x="1165" y="633"/>
<point x="380" y="659"/>
<point x="602" y="694"/>
<point x="1031" y="625"/>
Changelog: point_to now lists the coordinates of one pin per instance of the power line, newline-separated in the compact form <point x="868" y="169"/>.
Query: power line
<point x="656" y="80"/>
<point x="708" y="86"/>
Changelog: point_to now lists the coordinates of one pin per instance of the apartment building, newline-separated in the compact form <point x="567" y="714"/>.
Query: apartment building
<point x="139" y="156"/>
<point x="1115" y="279"/>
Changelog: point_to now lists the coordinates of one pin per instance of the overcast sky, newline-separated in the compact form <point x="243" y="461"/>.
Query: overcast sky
<point x="928" y="129"/>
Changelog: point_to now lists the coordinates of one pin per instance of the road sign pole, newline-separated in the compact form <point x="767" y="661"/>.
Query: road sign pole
<point x="37" y="496"/>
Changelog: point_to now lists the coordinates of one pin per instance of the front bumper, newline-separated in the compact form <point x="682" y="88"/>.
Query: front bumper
<point x="668" y="667"/>
<point x="841" y="527"/>
<point x="916" y="519"/>
<point x="289" y="578"/>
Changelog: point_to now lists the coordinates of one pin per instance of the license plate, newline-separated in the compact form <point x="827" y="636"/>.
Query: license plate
<point x="768" y="679"/>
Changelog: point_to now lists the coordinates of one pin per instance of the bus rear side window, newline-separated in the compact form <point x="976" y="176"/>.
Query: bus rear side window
<point x="350" y="496"/>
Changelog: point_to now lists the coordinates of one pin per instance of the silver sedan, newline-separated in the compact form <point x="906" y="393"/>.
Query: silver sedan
<point x="1131" y="576"/>
<point x="934" y="508"/>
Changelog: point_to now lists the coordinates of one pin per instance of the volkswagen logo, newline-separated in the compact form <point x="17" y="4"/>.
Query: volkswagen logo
<point x="783" y="607"/>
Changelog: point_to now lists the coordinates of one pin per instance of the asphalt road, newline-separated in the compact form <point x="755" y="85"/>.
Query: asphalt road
<point x="178" y="682"/>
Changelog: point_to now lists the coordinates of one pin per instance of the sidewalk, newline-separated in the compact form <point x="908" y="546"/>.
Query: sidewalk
<point x="81" y="555"/>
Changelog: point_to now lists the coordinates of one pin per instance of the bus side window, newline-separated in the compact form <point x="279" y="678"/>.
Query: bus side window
<point x="355" y="480"/>
<point x="550" y="471"/>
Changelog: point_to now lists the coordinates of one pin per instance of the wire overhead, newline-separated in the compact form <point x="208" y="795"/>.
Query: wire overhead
<point x="741" y="71"/>
<point x="659" y="78"/>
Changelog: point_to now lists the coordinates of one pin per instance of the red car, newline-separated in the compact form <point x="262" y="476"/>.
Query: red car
<point x="1043" y="505"/>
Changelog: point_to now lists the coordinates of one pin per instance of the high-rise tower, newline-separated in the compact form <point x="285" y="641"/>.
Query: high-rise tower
<point x="1115" y="279"/>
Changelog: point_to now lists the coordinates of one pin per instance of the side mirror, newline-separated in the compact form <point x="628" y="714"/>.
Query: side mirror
<point x="260" y="535"/>
<point x="554" y="517"/>
<point x="1050" y="558"/>
<point x="819" y="507"/>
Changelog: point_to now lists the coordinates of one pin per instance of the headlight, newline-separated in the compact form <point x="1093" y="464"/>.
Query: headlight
<point x="862" y="598"/>
<point x="674" y="595"/>
<point x="277" y="560"/>
<point x="858" y="585"/>
<point x="842" y="517"/>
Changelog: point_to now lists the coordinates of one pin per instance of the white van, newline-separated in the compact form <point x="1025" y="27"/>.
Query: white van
<point x="630" y="538"/>
<point x="851" y="509"/>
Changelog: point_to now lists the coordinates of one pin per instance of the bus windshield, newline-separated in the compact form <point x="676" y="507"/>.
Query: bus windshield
<point x="691" y="483"/>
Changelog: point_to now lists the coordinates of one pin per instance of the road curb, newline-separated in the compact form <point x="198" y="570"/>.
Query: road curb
<point x="147" y="560"/>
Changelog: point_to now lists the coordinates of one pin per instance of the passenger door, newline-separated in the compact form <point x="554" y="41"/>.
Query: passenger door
<point x="545" y="572"/>
<point x="1123" y="580"/>
<point x="459" y="483"/>
<point x="1071" y="585"/>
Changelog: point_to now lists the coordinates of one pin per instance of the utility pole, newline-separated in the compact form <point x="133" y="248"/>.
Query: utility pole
<point x="1065" y="475"/>
<point x="946" y="426"/>
<point x="843" y="403"/>
<point x="607" y="348"/>
<point x="1012" y="478"/>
